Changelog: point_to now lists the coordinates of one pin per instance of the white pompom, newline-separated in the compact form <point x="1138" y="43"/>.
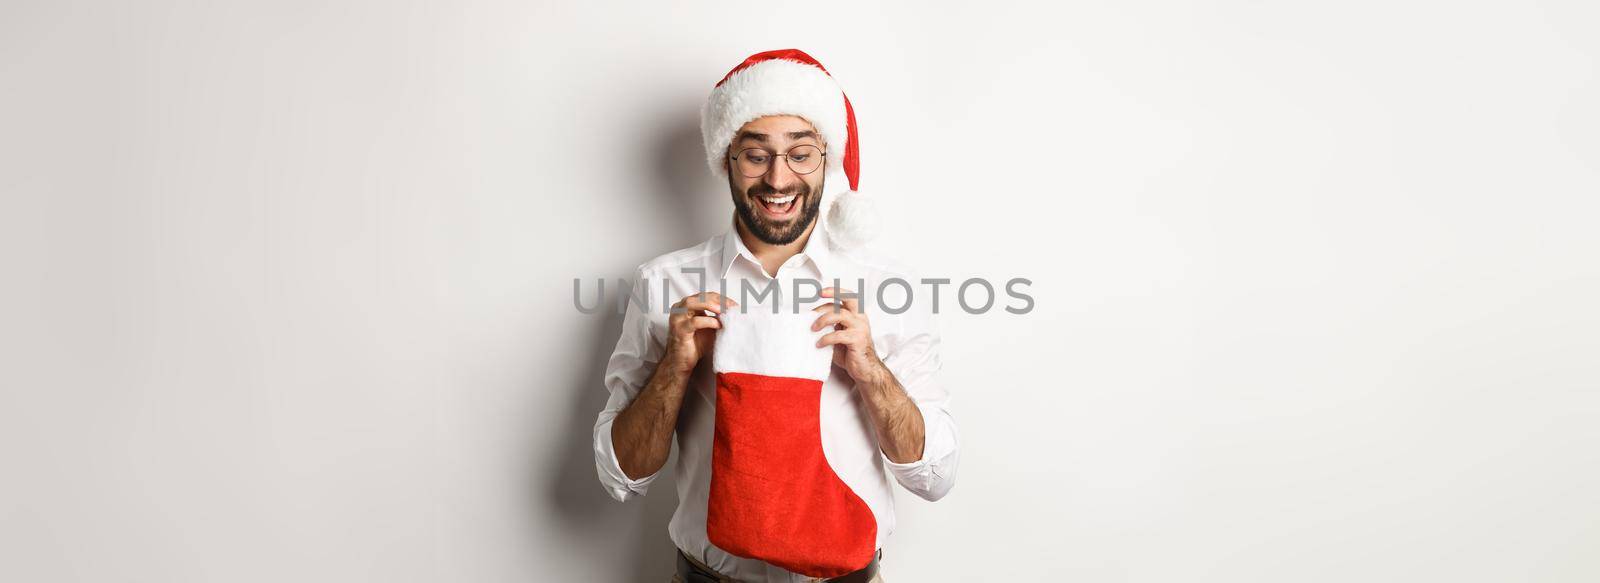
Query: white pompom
<point x="853" y="220"/>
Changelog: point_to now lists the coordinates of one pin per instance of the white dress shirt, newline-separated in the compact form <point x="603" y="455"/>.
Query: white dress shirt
<point x="907" y="342"/>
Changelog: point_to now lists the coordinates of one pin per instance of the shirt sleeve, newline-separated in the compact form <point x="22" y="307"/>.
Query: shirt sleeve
<point x="914" y="361"/>
<point x="630" y="367"/>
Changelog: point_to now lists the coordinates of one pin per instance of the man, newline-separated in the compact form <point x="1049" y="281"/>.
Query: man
<point x="776" y="127"/>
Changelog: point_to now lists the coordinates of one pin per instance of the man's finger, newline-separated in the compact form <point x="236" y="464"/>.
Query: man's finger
<point x="711" y="301"/>
<point x="830" y="320"/>
<point x="852" y="302"/>
<point x="836" y="337"/>
<point x="831" y="308"/>
<point x="714" y="297"/>
<point x="706" y="296"/>
<point x="695" y="306"/>
<point x="705" y="322"/>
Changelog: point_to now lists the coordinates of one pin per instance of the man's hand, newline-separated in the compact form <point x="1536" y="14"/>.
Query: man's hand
<point x="898" y="421"/>
<point x="851" y="338"/>
<point x="642" y="433"/>
<point x="690" y="333"/>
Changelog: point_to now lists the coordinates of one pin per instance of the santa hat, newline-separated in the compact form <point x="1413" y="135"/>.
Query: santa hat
<point x="790" y="82"/>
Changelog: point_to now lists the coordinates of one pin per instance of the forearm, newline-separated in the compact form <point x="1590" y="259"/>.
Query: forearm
<point x="642" y="432"/>
<point x="898" y="420"/>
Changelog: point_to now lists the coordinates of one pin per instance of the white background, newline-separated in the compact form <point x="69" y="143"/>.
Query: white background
<point x="288" y="285"/>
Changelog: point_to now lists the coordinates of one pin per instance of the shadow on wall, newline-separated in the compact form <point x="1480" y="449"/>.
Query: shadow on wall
<point x="629" y="539"/>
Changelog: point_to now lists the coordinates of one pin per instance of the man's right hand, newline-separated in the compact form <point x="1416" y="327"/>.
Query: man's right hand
<point x="642" y="432"/>
<point x="690" y="333"/>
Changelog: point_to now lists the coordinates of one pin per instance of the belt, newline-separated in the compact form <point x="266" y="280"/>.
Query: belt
<point x="691" y="570"/>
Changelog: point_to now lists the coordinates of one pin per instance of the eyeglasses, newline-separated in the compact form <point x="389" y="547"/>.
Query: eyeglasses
<point x="755" y="162"/>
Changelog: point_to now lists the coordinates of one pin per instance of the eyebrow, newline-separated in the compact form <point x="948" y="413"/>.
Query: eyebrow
<point x="760" y="137"/>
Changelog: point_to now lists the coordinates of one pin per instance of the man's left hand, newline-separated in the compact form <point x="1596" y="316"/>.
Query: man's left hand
<point x="851" y="338"/>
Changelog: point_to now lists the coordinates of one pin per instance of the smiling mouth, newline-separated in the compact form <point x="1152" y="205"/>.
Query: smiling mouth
<point x="778" y="206"/>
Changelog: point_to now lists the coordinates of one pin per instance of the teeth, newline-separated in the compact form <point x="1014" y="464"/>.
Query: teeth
<point x="783" y="200"/>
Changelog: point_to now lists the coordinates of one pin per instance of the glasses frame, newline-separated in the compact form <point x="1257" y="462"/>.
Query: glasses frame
<point x="786" y="160"/>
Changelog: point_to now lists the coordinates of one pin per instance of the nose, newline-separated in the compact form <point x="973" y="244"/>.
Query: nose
<point x="779" y="175"/>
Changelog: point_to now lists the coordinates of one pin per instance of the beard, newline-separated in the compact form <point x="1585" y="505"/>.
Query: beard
<point x="777" y="232"/>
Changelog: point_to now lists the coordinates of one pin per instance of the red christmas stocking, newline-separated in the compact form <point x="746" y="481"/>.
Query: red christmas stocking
<point x="773" y="495"/>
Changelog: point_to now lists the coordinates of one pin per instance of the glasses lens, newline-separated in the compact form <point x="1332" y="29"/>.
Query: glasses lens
<point x="754" y="162"/>
<point x="805" y="159"/>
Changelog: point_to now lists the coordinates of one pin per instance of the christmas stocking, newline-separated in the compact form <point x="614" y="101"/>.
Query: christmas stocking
<point x="773" y="495"/>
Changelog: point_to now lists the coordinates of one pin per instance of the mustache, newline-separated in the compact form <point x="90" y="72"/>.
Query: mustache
<point x="764" y="189"/>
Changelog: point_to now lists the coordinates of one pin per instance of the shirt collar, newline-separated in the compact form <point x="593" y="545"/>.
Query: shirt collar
<point x="816" y="250"/>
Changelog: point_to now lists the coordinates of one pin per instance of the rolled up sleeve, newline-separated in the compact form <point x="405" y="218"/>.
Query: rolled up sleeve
<point x="630" y="367"/>
<point x="914" y="361"/>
